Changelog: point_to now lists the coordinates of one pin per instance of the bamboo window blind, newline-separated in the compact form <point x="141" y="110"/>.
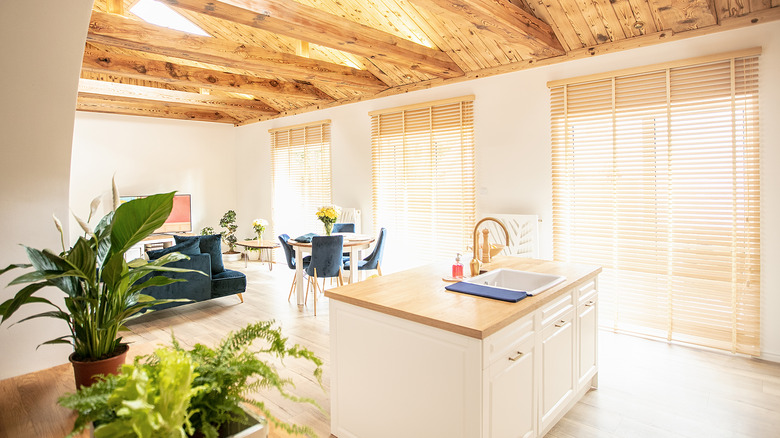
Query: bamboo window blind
<point x="423" y="178"/>
<point x="656" y="179"/>
<point x="300" y="165"/>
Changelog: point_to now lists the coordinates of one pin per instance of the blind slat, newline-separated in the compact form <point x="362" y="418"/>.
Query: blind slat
<point x="423" y="178"/>
<point x="301" y="175"/>
<point x="656" y="178"/>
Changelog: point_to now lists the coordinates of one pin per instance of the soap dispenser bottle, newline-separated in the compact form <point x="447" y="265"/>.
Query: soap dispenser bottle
<point x="457" y="268"/>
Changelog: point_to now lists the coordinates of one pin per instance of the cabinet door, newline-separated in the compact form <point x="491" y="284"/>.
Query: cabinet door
<point x="587" y="315"/>
<point x="510" y="395"/>
<point x="557" y="367"/>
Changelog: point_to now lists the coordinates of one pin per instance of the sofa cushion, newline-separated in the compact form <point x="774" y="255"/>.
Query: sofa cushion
<point x="210" y="244"/>
<point x="188" y="247"/>
<point x="196" y="287"/>
<point x="227" y="282"/>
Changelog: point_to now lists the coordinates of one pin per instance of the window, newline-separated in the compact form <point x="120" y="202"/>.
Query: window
<point x="656" y="179"/>
<point x="156" y="13"/>
<point x="424" y="179"/>
<point x="300" y="162"/>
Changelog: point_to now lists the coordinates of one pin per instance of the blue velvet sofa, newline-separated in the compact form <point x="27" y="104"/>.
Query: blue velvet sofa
<point x="205" y="254"/>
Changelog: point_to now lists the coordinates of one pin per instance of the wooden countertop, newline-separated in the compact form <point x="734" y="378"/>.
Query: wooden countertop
<point x="418" y="295"/>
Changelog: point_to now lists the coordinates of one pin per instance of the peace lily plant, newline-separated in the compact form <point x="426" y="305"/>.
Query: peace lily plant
<point x="102" y="290"/>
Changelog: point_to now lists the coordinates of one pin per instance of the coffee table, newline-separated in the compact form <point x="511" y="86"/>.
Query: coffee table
<point x="264" y="246"/>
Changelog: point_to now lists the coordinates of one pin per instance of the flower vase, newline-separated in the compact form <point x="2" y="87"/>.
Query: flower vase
<point x="259" y="237"/>
<point x="328" y="227"/>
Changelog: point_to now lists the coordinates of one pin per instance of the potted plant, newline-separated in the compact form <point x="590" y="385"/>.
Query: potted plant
<point x="199" y="392"/>
<point x="228" y="222"/>
<point x="102" y="290"/>
<point x="207" y="231"/>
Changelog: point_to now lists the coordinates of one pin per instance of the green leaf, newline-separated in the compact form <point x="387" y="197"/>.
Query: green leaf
<point x="157" y="280"/>
<point x="47" y="261"/>
<point x="137" y="219"/>
<point x="14" y="266"/>
<point x="4" y="306"/>
<point x="60" y="340"/>
<point x="50" y="314"/>
<point x="34" y="276"/>
<point x="22" y="297"/>
<point x="113" y="270"/>
<point x="103" y="236"/>
<point x="82" y="258"/>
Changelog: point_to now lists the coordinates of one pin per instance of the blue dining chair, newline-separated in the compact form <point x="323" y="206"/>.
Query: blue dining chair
<point x="289" y="256"/>
<point x="344" y="227"/>
<point x="325" y="263"/>
<point x="374" y="260"/>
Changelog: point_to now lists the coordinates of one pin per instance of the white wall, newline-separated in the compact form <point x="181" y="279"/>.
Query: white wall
<point x="150" y="156"/>
<point x="513" y="144"/>
<point x="41" y="42"/>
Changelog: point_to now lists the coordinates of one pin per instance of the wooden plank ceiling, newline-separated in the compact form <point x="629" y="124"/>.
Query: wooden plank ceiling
<point x="271" y="58"/>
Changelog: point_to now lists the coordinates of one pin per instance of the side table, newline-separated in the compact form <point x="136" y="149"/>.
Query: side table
<point x="264" y="246"/>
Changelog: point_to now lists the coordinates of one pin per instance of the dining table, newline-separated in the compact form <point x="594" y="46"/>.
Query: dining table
<point x="353" y="242"/>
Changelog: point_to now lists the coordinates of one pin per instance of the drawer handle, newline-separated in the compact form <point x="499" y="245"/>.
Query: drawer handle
<point x="517" y="356"/>
<point x="590" y="303"/>
<point x="561" y="323"/>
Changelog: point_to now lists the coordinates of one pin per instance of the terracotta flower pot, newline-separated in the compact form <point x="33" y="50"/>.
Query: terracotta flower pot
<point x="87" y="373"/>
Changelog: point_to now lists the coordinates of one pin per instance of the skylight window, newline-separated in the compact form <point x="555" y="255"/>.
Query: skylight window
<point x="156" y="13"/>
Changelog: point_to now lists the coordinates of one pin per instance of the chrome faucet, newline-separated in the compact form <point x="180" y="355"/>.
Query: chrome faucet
<point x="476" y="264"/>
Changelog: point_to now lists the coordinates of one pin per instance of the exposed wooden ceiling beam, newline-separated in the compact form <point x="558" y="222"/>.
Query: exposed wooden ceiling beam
<point x="116" y="6"/>
<point x="500" y="17"/>
<point x="113" y="30"/>
<point x="103" y="61"/>
<point x="310" y="24"/>
<point x="139" y="108"/>
<point x="754" y="18"/>
<point x="93" y="88"/>
<point x="682" y="15"/>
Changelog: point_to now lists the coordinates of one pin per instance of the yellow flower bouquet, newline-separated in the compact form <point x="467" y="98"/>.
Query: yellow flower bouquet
<point x="328" y="216"/>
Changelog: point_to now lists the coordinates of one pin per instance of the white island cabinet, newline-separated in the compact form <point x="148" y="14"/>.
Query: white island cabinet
<point x="411" y="359"/>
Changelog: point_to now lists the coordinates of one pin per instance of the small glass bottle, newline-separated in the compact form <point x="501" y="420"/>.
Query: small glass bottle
<point x="457" y="268"/>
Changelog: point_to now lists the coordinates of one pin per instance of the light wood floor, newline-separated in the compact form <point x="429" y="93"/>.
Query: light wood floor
<point x="646" y="388"/>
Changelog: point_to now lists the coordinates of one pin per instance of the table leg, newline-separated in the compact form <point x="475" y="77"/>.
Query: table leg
<point x="353" y="260"/>
<point x="246" y="257"/>
<point x="299" y="275"/>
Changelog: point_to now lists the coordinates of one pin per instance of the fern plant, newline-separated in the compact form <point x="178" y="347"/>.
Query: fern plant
<point x="200" y="398"/>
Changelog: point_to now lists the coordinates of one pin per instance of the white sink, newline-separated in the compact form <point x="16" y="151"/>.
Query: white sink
<point x="531" y="283"/>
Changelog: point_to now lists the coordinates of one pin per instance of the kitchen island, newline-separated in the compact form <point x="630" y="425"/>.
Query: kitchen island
<point x="412" y="359"/>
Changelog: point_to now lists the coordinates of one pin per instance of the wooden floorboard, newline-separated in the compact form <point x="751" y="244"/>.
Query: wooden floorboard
<point x="646" y="388"/>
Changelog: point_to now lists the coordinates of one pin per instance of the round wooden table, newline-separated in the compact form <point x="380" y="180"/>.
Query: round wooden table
<point x="263" y="245"/>
<point x="352" y="241"/>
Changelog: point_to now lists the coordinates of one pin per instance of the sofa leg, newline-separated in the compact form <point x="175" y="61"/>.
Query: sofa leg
<point x="241" y="297"/>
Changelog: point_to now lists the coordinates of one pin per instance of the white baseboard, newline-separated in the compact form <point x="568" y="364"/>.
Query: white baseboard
<point x="772" y="357"/>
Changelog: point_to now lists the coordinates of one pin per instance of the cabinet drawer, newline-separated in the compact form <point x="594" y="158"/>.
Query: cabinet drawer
<point x="588" y="301"/>
<point x="587" y="291"/>
<point x="505" y="341"/>
<point x="553" y="311"/>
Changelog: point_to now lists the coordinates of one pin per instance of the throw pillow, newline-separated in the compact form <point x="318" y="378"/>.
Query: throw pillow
<point x="190" y="247"/>
<point x="211" y="245"/>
